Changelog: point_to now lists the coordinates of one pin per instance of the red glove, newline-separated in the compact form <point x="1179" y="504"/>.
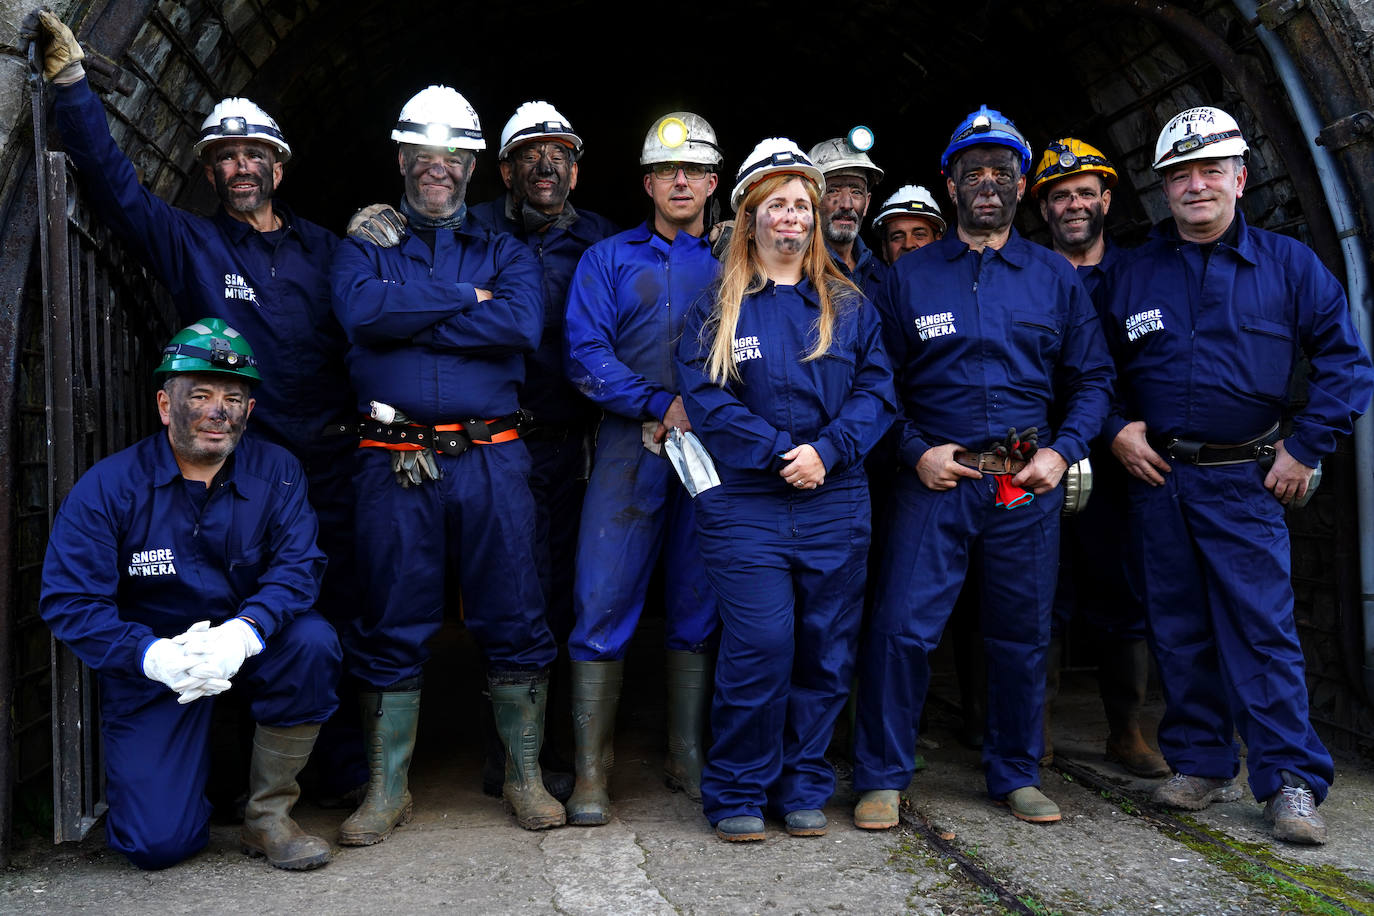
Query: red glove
<point x="1009" y="496"/>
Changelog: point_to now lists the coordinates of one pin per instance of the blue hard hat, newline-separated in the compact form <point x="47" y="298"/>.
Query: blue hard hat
<point x="982" y="127"/>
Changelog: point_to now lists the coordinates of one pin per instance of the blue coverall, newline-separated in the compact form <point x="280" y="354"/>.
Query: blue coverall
<point x="787" y="565"/>
<point x="562" y="417"/>
<point x="626" y="307"/>
<point x="271" y="287"/>
<point x="1206" y="345"/>
<point x="978" y="343"/>
<point x="139" y="553"/>
<point x="424" y="344"/>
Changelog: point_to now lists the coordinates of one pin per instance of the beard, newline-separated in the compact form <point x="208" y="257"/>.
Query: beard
<point x="842" y="234"/>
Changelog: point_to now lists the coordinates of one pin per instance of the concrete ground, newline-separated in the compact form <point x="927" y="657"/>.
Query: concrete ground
<point x="463" y="852"/>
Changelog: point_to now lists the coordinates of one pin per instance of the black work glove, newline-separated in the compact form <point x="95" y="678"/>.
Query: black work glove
<point x="381" y="224"/>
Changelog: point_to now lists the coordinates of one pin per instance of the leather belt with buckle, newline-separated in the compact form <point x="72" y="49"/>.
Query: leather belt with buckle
<point x="990" y="462"/>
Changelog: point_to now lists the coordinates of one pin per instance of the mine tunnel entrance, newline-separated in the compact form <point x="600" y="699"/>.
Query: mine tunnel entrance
<point x="335" y="75"/>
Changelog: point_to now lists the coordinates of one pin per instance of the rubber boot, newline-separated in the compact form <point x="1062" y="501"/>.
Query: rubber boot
<point x="1054" y="656"/>
<point x="268" y="830"/>
<point x="557" y="780"/>
<point x="518" y="702"/>
<point x="1124" y="669"/>
<point x="595" y="696"/>
<point x="689" y="695"/>
<point x="390" y="719"/>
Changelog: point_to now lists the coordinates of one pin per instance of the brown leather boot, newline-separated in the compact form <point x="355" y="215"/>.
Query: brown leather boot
<point x="1122" y="673"/>
<point x="279" y="753"/>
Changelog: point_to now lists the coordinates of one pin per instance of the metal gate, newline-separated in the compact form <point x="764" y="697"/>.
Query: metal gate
<point x="104" y="321"/>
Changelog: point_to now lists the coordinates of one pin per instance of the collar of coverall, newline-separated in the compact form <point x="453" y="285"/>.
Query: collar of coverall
<point x="1014" y="252"/>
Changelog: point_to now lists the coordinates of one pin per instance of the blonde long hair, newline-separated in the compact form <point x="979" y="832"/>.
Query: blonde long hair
<point x="743" y="274"/>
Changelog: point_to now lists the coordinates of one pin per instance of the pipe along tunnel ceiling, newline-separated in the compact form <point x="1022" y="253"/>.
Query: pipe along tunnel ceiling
<point x="336" y="73"/>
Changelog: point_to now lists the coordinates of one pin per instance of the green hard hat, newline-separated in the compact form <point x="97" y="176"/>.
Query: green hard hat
<point x="209" y="345"/>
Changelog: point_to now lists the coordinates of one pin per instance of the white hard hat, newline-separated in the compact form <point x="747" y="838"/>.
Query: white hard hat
<point x="439" y="116"/>
<point x="1199" y="133"/>
<point x="840" y="154"/>
<point x="681" y="136"/>
<point x="774" y="156"/>
<point x="233" y="118"/>
<point x="537" y="121"/>
<point x="911" y="200"/>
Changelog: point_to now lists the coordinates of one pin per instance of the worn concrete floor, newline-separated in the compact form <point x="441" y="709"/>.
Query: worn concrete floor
<point x="463" y="853"/>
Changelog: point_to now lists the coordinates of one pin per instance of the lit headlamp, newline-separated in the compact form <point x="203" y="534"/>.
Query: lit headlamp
<point x="233" y="127"/>
<point x="860" y="139"/>
<point x="672" y="132"/>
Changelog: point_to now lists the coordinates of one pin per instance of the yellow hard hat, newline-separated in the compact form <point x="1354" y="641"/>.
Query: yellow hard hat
<point x="1068" y="156"/>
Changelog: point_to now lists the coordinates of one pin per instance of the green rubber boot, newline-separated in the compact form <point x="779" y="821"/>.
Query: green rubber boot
<point x="519" y="711"/>
<point x="268" y="830"/>
<point x="595" y="696"/>
<point x="390" y="719"/>
<point x="689" y="695"/>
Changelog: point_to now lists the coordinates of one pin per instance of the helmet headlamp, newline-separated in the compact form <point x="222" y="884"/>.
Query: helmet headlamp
<point x="861" y="139"/>
<point x="672" y="132"/>
<point x="235" y="127"/>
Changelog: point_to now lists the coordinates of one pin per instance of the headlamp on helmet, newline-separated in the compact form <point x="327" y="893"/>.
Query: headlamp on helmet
<point x="210" y="346"/>
<point x="1069" y="156"/>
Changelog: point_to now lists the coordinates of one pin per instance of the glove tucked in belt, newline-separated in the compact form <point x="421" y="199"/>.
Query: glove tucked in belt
<point x="412" y="445"/>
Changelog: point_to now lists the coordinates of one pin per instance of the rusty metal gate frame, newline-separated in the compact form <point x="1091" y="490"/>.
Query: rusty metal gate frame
<point x="104" y="321"/>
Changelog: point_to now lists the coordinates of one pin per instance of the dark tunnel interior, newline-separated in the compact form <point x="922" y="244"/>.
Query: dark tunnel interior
<point x="909" y="71"/>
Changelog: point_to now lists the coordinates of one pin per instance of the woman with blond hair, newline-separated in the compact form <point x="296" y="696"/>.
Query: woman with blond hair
<point x="783" y="373"/>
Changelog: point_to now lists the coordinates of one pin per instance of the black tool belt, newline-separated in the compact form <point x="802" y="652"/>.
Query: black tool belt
<point x="1208" y="454"/>
<point x="447" y="438"/>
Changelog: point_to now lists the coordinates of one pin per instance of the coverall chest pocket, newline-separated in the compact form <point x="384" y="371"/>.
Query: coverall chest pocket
<point x="1266" y="356"/>
<point x="836" y="376"/>
<point x="246" y="569"/>
<point x="1036" y="338"/>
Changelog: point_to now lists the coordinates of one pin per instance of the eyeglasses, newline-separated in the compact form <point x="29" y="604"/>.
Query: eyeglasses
<point x="667" y="171"/>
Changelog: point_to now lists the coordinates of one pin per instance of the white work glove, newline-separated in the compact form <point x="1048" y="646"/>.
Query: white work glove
<point x="219" y="652"/>
<point x="200" y="686"/>
<point x="167" y="662"/>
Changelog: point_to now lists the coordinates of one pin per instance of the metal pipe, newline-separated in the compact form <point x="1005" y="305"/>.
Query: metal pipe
<point x="1357" y="290"/>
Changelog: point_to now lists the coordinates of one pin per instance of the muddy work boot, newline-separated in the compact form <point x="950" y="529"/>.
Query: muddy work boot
<point x="558" y="781"/>
<point x="518" y="700"/>
<point x="689" y="696"/>
<point x="1029" y="804"/>
<point x="268" y="830"/>
<point x="877" y="809"/>
<point x="390" y="719"/>
<point x="742" y="828"/>
<point x="595" y="696"/>
<point x="1121" y="677"/>
<point x="1293" y="812"/>
<point x="1193" y="793"/>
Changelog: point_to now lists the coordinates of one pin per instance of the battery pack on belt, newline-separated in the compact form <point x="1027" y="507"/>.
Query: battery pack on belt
<point x="447" y="438"/>
<point x="1207" y="454"/>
